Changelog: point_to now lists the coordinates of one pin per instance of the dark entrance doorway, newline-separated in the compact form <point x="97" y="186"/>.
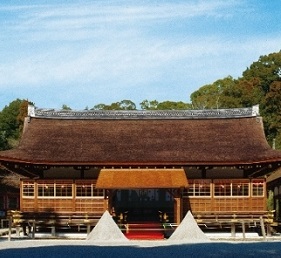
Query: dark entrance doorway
<point x="139" y="205"/>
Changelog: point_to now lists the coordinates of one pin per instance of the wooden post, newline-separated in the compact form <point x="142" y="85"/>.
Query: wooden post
<point x="17" y="230"/>
<point x="88" y="229"/>
<point x="10" y="227"/>
<point x="232" y="229"/>
<point x="33" y="229"/>
<point x="268" y="229"/>
<point x="53" y="230"/>
<point x="262" y="227"/>
<point x="177" y="210"/>
<point x="106" y="203"/>
<point x="243" y="229"/>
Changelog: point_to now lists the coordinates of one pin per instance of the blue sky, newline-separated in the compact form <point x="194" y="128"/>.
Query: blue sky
<point x="82" y="53"/>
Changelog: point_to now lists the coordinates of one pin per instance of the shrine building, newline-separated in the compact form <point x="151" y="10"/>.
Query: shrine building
<point x="143" y="165"/>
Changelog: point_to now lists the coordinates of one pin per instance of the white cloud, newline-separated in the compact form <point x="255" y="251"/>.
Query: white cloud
<point x="89" y="15"/>
<point x="131" y="61"/>
<point x="114" y="46"/>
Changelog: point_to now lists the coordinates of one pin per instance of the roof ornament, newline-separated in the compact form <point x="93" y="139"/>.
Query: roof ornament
<point x="31" y="111"/>
<point x="256" y="110"/>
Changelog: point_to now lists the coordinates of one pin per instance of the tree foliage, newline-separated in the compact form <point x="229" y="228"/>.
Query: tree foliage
<point x="65" y="107"/>
<point x="266" y="70"/>
<point x="149" y="104"/>
<point x="219" y="94"/>
<point x="265" y="74"/>
<point x="226" y="93"/>
<point x="165" y="105"/>
<point x="23" y="109"/>
<point x="122" y="105"/>
<point x="11" y="123"/>
<point x="272" y="110"/>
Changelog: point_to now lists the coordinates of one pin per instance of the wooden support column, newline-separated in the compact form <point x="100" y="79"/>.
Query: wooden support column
<point x="268" y="230"/>
<point x="243" y="229"/>
<point x="262" y="227"/>
<point x="10" y="227"/>
<point x="106" y="201"/>
<point x="53" y="230"/>
<point x="105" y="205"/>
<point x="109" y="197"/>
<point x="233" y="229"/>
<point x="17" y="230"/>
<point x="88" y="229"/>
<point x="33" y="229"/>
<point x="177" y="210"/>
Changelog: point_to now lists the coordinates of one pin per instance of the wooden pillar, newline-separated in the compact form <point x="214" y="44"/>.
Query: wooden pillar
<point x="33" y="229"/>
<point x="268" y="230"/>
<point x="53" y="230"/>
<point x="88" y="229"/>
<point x="73" y="196"/>
<point x="243" y="229"/>
<point x="233" y="229"/>
<point x="17" y="230"/>
<point x="177" y="210"/>
<point x="262" y="227"/>
<point x="36" y="196"/>
<point x="105" y="205"/>
<point x="106" y="201"/>
<point x="10" y="227"/>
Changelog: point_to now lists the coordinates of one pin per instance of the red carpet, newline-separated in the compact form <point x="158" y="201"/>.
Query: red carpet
<point x="144" y="231"/>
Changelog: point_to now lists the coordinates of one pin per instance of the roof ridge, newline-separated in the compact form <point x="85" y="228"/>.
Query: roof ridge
<point x="143" y="114"/>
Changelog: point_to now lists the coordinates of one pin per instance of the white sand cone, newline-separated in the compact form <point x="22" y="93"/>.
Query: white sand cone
<point x="189" y="231"/>
<point x="106" y="230"/>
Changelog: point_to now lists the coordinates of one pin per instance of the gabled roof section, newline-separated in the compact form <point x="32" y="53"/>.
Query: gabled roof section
<point x="141" y="178"/>
<point x="138" y="138"/>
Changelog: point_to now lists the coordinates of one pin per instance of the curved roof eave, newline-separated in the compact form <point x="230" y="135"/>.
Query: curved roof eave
<point x="141" y="164"/>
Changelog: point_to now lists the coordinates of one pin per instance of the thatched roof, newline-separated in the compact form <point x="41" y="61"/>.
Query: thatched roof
<point x="168" y="138"/>
<point x="141" y="178"/>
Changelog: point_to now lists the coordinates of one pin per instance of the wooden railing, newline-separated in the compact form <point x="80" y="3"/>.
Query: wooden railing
<point x="231" y="216"/>
<point x="30" y="221"/>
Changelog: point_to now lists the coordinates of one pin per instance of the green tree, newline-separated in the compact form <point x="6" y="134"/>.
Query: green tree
<point x="99" y="107"/>
<point x="173" y="105"/>
<point x="127" y="105"/>
<point x="277" y="140"/>
<point x="149" y="104"/>
<point x="216" y="95"/>
<point x="266" y="70"/>
<point x="272" y="110"/>
<point x="246" y="92"/>
<point x="10" y="124"/>
<point x="23" y="113"/>
<point x="266" y="75"/>
<point x="122" y="105"/>
<point x="165" y="105"/>
<point x="65" y="107"/>
<point x="3" y="141"/>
